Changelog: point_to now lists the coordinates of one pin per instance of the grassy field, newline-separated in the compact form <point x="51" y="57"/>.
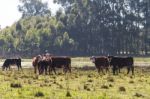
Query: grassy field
<point x="80" y="84"/>
<point x="83" y="83"/>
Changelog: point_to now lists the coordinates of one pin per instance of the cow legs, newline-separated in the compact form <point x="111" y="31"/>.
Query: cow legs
<point x="102" y="70"/>
<point x="132" y="70"/>
<point x="54" y="69"/>
<point x="119" y="70"/>
<point x="128" y="68"/>
<point x="69" y="68"/>
<point x="115" y="70"/>
<point x="107" y="69"/>
<point x="45" y="70"/>
<point x="35" y="69"/>
<point x="50" y="70"/>
<point x="19" y="67"/>
<point x="98" y="69"/>
<point x="39" y="68"/>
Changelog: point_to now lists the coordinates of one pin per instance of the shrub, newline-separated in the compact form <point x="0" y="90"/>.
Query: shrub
<point x="122" y="88"/>
<point x="86" y="87"/>
<point x="90" y="80"/>
<point x="104" y="87"/>
<point x="15" y="85"/>
<point x="39" y="94"/>
<point x="110" y="85"/>
<point x="68" y="94"/>
<point x="90" y="76"/>
<point x="138" y="95"/>
<point x="110" y="79"/>
<point x="131" y="82"/>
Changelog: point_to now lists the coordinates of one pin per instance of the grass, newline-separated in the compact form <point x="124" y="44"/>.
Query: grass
<point x="83" y="83"/>
<point x="79" y="84"/>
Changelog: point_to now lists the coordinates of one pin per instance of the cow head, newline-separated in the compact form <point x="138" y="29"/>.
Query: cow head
<point x="92" y="59"/>
<point x="109" y="58"/>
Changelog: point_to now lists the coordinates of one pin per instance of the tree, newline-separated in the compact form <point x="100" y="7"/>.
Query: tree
<point x="33" y="8"/>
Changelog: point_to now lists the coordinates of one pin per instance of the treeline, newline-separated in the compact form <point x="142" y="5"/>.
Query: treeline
<point x="80" y="28"/>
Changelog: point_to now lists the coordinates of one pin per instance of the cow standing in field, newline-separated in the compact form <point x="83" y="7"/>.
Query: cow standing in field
<point x="119" y="62"/>
<point x="44" y="64"/>
<point x="60" y="62"/>
<point x="101" y="63"/>
<point x="35" y="61"/>
<point x="9" y="62"/>
<point x="41" y="63"/>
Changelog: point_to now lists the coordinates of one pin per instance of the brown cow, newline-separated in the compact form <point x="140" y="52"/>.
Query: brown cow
<point x="35" y="61"/>
<point x="44" y="64"/>
<point x="41" y="63"/>
<point x="101" y="62"/>
<point x="60" y="62"/>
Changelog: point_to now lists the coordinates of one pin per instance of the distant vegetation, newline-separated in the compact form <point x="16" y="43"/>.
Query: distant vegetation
<point x="79" y="28"/>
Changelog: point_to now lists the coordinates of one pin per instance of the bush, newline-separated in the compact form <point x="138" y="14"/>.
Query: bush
<point x="122" y="88"/>
<point x="86" y="87"/>
<point x="68" y="94"/>
<point x="90" y="80"/>
<point x="110" y="79"/>
<point x="131" y="82"/>
<point x="104" y="87"/>
<point x="138" y="95"/>
<point x="39" y="94"/>
<point x="15" y="85"/>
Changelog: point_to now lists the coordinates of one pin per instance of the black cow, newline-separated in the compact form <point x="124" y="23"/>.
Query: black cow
<point x="8" y="62"/>
<point x="119" y="62"/>
<point x="101" y="62"/>
<point x="60" y="62"/>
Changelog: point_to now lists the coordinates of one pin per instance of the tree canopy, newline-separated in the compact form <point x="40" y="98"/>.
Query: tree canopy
<point x="80" y="28"/>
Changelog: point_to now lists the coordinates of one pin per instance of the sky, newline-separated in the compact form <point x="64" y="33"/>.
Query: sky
<point x="9" y="11"/>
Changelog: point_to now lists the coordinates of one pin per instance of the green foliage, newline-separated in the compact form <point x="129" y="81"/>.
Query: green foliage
<point x="36" y="34"/>
<point x="80" y="27"/>
<point x="33" y="8"/>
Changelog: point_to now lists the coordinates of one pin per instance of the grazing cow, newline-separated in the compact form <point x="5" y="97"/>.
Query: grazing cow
<point x="120" y="62"/>
<point x="101" y="62"/>
<point x="8" y="62"/>
<point x="41" y="63"/>
<point x="35" y="61"/>
<point x="44" y="63"/>
<point x="60" y="62"/>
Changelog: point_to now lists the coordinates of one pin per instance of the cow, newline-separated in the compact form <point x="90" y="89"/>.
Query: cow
<point x="101" y="62"/>
<point x="60" y="62"/>
<point x="41" y="63"/>
<point x="119" y="62"/>
<point x="35" y="61"/>
<point x="44" y="64"/>
<point x="8" y="62"/>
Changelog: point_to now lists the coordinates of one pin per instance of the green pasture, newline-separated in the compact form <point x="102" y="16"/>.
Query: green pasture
<point x="82" y="83"/>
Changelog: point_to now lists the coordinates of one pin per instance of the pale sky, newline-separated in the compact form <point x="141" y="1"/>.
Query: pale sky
<point x="9" y="11"/>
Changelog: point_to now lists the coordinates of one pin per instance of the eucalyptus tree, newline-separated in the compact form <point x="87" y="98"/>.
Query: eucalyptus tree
<point x="33" y="8"/>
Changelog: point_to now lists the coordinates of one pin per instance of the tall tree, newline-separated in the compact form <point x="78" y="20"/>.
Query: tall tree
<point x="33" y="8"/>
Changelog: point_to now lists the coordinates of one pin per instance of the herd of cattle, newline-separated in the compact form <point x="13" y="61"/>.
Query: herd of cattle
<point x="47" y="63"/>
